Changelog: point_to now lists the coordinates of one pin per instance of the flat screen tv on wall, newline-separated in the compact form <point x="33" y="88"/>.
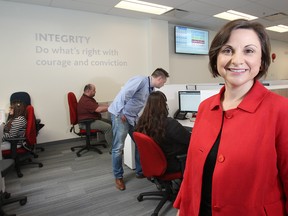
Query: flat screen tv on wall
<point x="191" y="40"/>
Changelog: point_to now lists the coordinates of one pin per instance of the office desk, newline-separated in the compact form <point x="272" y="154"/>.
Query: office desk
<point x="187" y="122"/>
<point x="129" y="152"/>
<point x="3" y="116"/>
<point x="129" y="146"/>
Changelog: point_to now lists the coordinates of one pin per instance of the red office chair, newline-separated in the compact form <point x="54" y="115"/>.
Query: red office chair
<point x="26" y="152"/>
<point x="87" y="133"/>
<point x="154" y="165"/>
<point x="26" y="99"/>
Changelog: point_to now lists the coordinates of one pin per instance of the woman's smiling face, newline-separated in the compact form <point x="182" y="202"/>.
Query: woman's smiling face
<point x="239" y="60"/>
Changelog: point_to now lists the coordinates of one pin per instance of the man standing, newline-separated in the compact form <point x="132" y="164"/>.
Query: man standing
<point x="124" y="114"/>
<point x="88" y="108"/>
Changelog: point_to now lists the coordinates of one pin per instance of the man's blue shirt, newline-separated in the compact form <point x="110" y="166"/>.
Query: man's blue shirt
<point x="131" y="98"/>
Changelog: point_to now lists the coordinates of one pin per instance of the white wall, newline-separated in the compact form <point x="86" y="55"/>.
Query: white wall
<point x="279" y="68"/>
<point x="134" y="42"/>
<point x="141" y="45"/>
<point x="194" y="68"/>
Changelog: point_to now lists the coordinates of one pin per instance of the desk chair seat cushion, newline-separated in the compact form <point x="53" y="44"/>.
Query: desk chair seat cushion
<point x="93" y="132"/>
<point x="21" y="149"/>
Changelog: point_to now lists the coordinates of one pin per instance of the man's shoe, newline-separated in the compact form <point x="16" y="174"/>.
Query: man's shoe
<point x="140" y="176"/>
<point x="120" y="185"/>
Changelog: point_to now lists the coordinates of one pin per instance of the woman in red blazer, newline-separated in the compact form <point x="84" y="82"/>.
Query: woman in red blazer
<point x="237" y="162"/>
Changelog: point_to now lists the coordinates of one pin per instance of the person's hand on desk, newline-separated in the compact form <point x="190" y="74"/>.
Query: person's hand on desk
<point x="192" y="119"/>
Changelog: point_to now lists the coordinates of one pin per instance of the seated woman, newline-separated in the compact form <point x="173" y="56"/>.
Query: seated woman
<point x="170" y="135"/>
<point x="15" y="125"/>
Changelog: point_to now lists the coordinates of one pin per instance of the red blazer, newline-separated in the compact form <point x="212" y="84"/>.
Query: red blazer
<point x="251" y="171"/>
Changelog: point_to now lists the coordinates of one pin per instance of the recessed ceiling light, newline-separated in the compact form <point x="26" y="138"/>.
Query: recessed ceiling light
<point x="232" y="15"/>
<point x="142" y="6"/>
<point x="278" y="28"/>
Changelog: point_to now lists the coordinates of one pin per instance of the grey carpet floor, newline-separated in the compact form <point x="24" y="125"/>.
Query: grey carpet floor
<point x="68" y="185"/>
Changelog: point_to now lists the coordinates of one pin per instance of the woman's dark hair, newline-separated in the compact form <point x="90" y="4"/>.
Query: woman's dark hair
<point x="153" y="119"/>
<point x="223" y="36"/>
<point x="19" y="109"/>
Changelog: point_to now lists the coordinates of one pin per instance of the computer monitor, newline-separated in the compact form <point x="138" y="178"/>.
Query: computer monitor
<point x="189" y="101"/>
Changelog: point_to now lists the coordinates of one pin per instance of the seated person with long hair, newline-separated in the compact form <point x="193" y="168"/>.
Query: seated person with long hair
<point x="15" y="125"/>
<point x="167" y="132"/>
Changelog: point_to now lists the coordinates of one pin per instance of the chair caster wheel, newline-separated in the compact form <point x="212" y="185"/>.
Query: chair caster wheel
<point x="154" y="214"/>
<point x="140" y="198"/>
<point x="23" y="201"/>
<point x="78" y="155"/>
<point x="40" y="165"/>
<point x="6" y="195"/>
<point x="72" y="149"/>
<point x="20" y="175"/>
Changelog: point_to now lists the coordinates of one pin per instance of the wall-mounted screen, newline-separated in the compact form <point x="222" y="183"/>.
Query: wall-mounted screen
<point x="191" y="41"/>
<point x="189" y="101"/>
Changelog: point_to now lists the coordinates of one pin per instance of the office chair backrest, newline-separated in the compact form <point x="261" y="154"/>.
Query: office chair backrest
<point x="30" y="132"/>
<point x="21" y="96"/>
<point x="72" y="102"/>
<point x="25" y="98"/>
<point x="152" y="158"/>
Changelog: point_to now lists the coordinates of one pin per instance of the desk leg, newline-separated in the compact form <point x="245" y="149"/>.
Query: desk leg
<point x="129" y="153"/>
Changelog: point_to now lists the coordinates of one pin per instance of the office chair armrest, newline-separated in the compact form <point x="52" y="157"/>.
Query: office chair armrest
<point x="14" y="142"/>
<point x="182" y="160"/>
<point x="14" y="139"/>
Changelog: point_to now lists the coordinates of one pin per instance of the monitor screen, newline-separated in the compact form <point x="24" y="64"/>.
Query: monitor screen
<point x="191" y="41"/>
<point x="189" y="101"/>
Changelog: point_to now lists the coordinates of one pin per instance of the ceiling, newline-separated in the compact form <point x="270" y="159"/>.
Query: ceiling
<point x="195" y="13"/>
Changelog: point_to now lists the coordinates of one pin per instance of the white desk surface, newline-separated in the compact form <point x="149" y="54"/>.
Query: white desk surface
<point x="187" y="122"/>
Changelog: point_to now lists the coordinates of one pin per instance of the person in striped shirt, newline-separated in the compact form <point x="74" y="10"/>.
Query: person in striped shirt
<point x="15" y="125"/>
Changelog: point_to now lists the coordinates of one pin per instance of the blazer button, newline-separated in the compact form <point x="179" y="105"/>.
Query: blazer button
<point x="229" y="116"/>
<point x="216" y="208"/>
<point x="221" y="158"/>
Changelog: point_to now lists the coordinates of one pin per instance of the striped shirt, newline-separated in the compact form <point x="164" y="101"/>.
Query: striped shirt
<point x="18" y="127"/>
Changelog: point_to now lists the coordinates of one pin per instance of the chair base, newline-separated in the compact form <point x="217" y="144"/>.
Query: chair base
<point x="23" y="162"/>
<point x="18" y="170"/>
<point x="41" y="149"/>
<point x="87" y="148"/>
<point x="166" y="192"/>
<point x="5" y="199"/>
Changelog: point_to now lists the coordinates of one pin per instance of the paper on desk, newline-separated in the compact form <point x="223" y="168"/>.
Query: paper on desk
<point x="2" y="116"/>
